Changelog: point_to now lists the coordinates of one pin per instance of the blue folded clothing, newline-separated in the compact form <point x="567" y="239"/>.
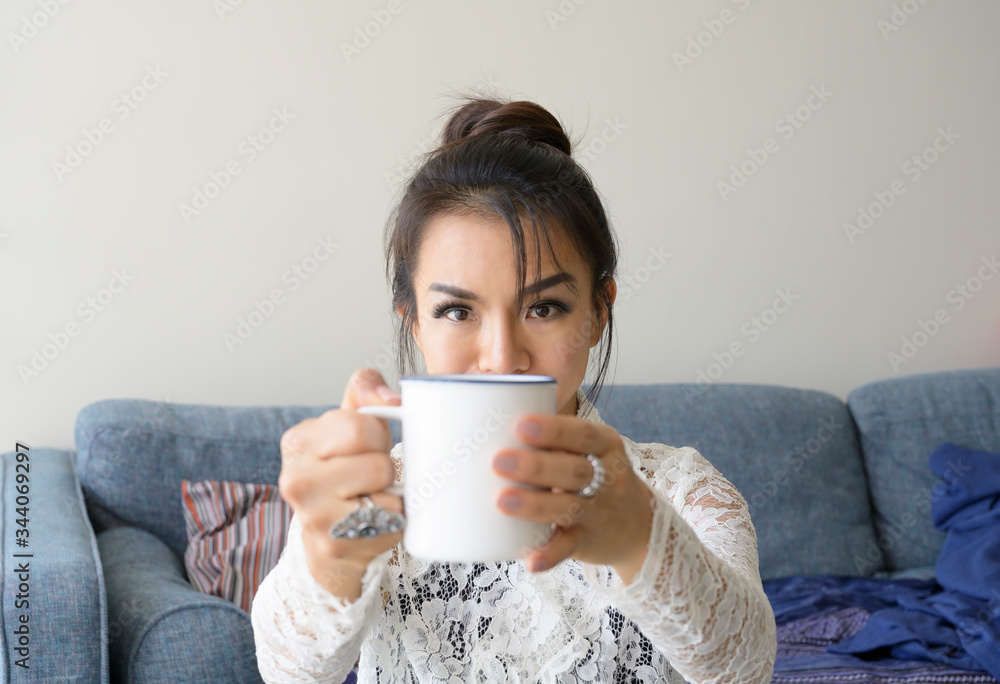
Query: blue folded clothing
<point x="797" y="597"/>
<point x="956" y="623"/>
<point x="802" y="656"/>
<point x="967" y="507"/>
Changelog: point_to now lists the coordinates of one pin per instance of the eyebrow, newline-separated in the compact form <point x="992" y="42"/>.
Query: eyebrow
<point x="543" y="284"/>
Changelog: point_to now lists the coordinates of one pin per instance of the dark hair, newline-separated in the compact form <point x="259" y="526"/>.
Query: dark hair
<point x="510" y="160"/>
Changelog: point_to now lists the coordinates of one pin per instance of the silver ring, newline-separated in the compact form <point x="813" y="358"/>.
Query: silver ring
<point x="367" y="522"/>
<point x="597" y="481"/>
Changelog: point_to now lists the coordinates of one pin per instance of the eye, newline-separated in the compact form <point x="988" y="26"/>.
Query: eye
<point x="545" y="310"/>
<point x="445" y="309"/>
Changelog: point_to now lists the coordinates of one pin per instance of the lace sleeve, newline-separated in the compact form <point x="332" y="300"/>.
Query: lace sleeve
<point x="698" y="597"/>
<point x="302" y="632"/>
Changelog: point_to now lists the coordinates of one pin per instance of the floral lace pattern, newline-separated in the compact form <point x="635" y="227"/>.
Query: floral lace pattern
<point x="696" y="611"/>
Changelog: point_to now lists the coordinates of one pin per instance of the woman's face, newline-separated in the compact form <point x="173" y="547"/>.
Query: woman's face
<point x="468" y="322"/>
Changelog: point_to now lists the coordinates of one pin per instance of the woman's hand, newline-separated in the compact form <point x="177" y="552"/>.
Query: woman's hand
<point x="326" y="464"/>
<point x="610" y="528"/>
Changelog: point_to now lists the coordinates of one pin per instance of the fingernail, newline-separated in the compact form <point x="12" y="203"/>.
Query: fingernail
<point x="387" y="393"/>
<point x="530" y="428"/>
<point x="505" y="463"/>
<point x="510" y="502"/>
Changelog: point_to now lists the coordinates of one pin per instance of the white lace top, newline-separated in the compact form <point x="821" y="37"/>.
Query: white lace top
<point x="695" y="611"/>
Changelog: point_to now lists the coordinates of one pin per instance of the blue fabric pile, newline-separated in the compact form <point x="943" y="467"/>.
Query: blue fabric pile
<point x="959" y="622"/>
<point x="952" y="621"/>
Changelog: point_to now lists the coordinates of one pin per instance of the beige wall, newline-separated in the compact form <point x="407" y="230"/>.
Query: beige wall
<point x="824" y="105"/>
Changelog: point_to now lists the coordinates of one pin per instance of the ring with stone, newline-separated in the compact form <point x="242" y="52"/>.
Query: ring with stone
<point x="367" y="521"/>
<point x="597" y="481"/>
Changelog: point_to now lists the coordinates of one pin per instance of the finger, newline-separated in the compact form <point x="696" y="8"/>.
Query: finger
<point x="562" y="545"/>
<point x="322" y="519"/>
<point x="390" y="502"/>
<point x="365" y="546"/>
<point x="361" y="550"/>
<point x="555" y="508"/>
<point x="547" y="469"/>
<point x="293" y="444"/>
<point x="346" y="477"/>
<point x="365" y="387"/>
<point x="335" y="433"/>
<point x="568" y="433"/>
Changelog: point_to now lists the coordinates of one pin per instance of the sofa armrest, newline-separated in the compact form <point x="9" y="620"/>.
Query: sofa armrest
<point x="160" y="629"/>
<point x="54" y="610"/>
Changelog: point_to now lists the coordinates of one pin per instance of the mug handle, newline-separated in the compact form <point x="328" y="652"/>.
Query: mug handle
<point x="392" y="413"/>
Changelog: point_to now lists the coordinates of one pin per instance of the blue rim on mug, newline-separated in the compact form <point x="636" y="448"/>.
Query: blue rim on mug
<point x="480" y="377"/>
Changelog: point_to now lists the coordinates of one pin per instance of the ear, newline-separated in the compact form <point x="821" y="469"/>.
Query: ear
<point x="601" y="316"/>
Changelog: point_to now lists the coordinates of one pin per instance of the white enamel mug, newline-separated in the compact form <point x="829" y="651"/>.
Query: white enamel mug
<point x="452" y="426"/>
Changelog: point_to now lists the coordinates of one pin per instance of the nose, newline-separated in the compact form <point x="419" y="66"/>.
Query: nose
<point x="503" y="348"/>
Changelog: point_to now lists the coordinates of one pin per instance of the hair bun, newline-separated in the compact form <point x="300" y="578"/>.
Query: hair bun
<point x="523" y="119"/>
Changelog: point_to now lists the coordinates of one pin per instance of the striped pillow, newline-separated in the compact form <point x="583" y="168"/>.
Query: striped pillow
<point x="236" y="532"/>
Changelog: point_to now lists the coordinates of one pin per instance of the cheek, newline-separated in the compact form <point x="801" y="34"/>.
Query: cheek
<point x="574" y="340"/>
<point x="445" y="350"/>
<point x="566" y="360"/>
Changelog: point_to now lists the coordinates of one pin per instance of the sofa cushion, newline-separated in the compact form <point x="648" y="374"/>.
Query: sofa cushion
<point x="901" y="422"/>
<point x="236" y="532"/>
<point x="132" y="456"/>
<point x="792" y="453"/>
<point x="158" y="626"/>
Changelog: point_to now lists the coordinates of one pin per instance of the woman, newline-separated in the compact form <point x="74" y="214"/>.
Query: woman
<point x="652" y="578"/>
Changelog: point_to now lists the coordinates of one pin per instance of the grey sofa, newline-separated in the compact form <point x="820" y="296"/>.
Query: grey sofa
<point x="833" y="488"/>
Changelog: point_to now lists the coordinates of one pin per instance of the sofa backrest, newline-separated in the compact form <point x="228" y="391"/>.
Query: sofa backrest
<point x="793" y="454"/>
<point x="133" y="454"/>
<point x="901" y="422"/>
